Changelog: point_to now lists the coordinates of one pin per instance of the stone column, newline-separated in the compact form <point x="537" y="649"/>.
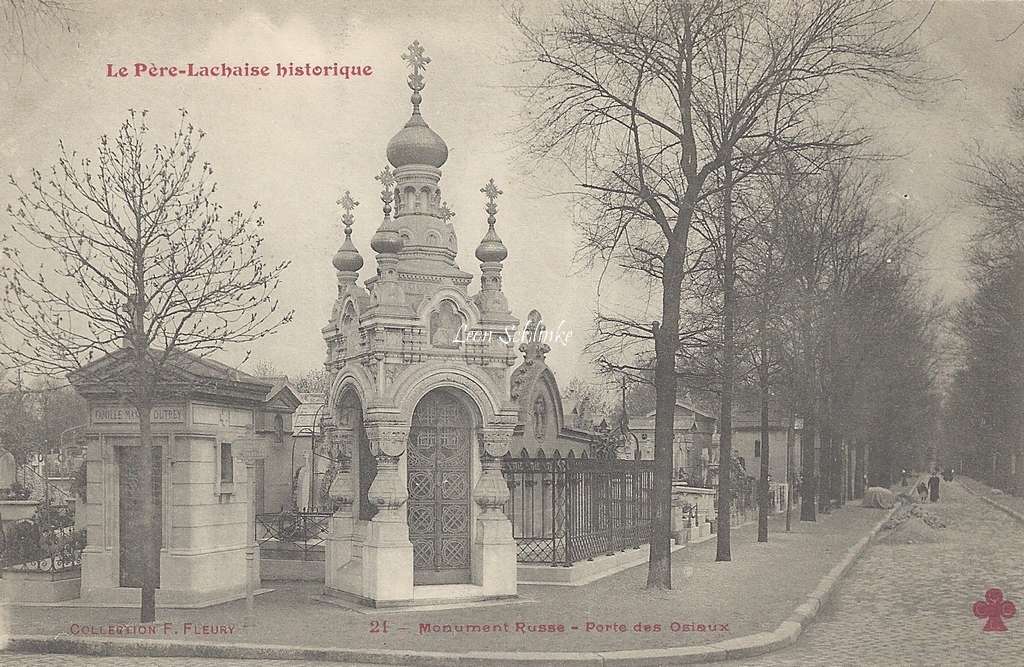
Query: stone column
<point x="338" y="552"/>
<point x="494" y="549"/>
<point x="387" y="552"/>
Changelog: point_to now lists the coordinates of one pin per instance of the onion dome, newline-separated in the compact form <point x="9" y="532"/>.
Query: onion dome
<point x="347" y="258"/>
<point x="416" y="143"/>
<point x="491" y="249"/>
<point x="386" y="240"/>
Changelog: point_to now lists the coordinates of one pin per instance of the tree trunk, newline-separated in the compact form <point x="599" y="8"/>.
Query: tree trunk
<point x="762" y="487"/>
<point x="763" y="496"/>
<point x="825" y="463"/>
<point x="790" y="441"/>
<point x="144" y="399"/>
<point x="151" y="545"/>
<point x="808" y="486"/>
<point x="666" y="342"/>
<point x="725" y="491"/>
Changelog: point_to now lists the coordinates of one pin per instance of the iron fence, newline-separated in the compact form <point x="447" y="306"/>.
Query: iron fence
<point x="567" y="510"/>
<point x="47" y="542"/>
<point x="293" y="535"/>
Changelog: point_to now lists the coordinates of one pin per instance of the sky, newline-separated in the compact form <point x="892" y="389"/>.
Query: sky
<point x="295" y="145"/>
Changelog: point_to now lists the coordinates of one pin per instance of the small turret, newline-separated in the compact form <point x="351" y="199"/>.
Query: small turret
<point x="491" y="252"/>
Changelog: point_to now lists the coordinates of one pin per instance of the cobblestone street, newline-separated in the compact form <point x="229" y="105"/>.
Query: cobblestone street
<point x="29" y="660"/>
<point x="911" y="604"/>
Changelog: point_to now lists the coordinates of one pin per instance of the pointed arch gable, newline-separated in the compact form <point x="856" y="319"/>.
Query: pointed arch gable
<point x="543" y="385"/>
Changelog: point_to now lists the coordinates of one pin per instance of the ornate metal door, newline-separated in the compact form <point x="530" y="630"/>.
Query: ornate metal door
<point x="439" y="490"/>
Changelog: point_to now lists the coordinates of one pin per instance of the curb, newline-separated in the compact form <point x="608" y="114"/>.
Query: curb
<point x="786" y="634"/>
<point x="1012" y="512"/>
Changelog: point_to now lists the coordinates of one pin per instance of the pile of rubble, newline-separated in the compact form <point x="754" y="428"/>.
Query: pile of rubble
<point x="912" y="524"/>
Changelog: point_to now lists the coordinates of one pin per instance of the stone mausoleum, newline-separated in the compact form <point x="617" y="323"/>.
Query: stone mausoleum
<point x="425" y="394"/>
<point x="206" y="416"/>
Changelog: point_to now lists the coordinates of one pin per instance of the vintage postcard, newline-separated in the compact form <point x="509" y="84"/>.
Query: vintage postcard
<point x="538" y="332"/>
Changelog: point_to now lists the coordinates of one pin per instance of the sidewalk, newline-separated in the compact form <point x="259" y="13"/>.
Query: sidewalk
<point x="712" y="602"/>
<point x="1012" y="505"/>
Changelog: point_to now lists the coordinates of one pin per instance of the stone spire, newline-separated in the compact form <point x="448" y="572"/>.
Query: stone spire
<point x="347" y="260"/>
<point x="491" y="252"/>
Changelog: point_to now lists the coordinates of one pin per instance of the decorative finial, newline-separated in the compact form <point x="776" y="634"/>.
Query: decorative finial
<point x="418" y="62"/>
<point x="446" y="212"/>
<point x="347" y="258"/>
<point x="491" y="249"/>
<point x="386" y="178"/>
<point x="491" y="191"/>
<point x="349" y="205"/>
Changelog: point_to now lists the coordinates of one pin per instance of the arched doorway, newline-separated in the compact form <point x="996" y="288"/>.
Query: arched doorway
<point x="351" y="451"/>
<point x="440" y="490"/>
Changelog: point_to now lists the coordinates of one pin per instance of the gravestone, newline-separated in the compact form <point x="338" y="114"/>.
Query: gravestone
<point x="8" y="468"/>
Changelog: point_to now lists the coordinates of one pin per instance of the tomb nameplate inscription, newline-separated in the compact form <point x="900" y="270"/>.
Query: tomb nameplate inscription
<point x="117" y="414"/>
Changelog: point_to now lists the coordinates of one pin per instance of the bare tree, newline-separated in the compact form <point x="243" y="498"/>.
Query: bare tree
<point x="648" y="101"/>
<point x="262" y="368"/>
<point x="983" y="416"/>
<point x="135" y="256"/>
<point x="21" y="22"/>
<point x="313" y="381"/>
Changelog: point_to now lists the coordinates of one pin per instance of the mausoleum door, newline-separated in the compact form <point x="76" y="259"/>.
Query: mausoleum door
<point x="439" y="459"/>
<point x="131" y="522"/>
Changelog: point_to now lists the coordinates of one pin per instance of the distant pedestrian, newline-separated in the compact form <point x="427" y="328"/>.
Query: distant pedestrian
<point x="922" y="491"/>
<point x="933" y="487"/>
<point x="903" y="477"/>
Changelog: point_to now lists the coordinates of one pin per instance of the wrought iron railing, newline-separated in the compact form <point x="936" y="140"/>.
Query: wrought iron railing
<point x="293" y="535"/>
<point x="40" y="487"/>
<point x="567" y="510"/>
<point x="47" y="542"/>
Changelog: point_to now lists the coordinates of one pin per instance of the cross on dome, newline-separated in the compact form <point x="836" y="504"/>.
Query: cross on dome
<point x="491" y="191"/>
<point x="349" y="205"/>
<point x="416" y="143"/>
<point x="418" y="62"/>
<point x="387" y="180"/>
<point x="386" y="240"/>
<point x="347" y="258"/>
<point x="446" y="212"/>
<point x="491" y="249"/>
